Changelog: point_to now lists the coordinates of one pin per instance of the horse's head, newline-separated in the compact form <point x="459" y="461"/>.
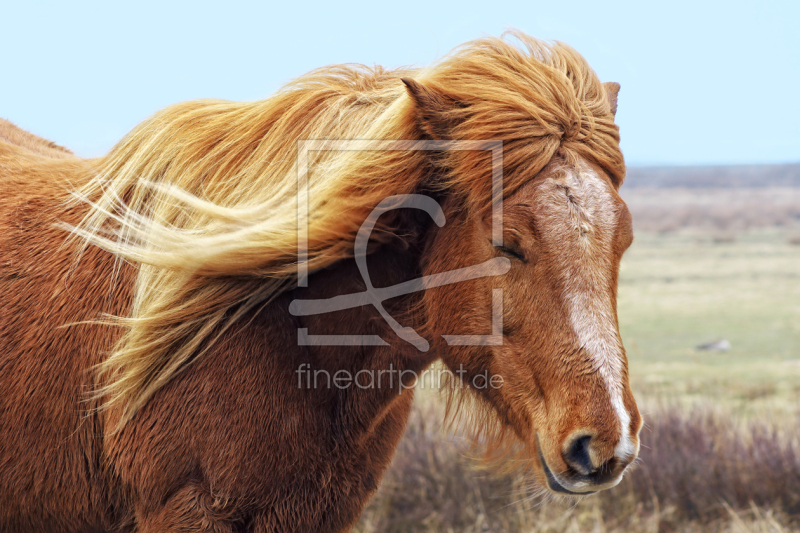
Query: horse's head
<point x="560" y="371"/>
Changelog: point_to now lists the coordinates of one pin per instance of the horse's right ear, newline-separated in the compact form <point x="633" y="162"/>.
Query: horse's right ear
<point x="437" y="114"/>
<point x="612" y="90"/>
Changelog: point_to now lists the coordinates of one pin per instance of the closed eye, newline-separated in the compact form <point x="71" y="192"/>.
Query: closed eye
<point x="512" y="252"/>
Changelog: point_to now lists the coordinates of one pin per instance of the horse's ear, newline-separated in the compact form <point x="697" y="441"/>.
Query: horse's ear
<point x="437" y="113"/>
<point x="612" y="90"/>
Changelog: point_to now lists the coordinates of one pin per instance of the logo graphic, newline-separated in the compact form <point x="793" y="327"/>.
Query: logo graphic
<point x="375" y="297"/>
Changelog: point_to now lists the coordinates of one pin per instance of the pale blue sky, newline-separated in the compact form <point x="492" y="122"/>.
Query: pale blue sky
<point x="702" y="82"/>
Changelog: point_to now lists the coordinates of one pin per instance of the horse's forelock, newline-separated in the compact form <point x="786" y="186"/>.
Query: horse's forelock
<point x="540" y="101"/>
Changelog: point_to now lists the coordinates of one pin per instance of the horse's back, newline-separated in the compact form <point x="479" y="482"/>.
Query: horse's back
<point x="50" y="468"/>
<point x="16" y="136"/>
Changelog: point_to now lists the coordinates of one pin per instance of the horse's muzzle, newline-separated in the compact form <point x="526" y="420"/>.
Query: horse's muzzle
<point x="581" y="477"/>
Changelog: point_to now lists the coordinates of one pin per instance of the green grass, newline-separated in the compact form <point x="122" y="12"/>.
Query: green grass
<point x="681" y="290"/>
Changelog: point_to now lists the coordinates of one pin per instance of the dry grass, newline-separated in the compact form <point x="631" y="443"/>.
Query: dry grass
<point x="700" y="471"/>
<point x="681" y="290"/>
<point x="747" y="177"/>
<point x="724" y="212"/>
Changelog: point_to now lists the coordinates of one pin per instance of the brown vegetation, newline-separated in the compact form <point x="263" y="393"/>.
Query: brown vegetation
<point x="720" y="200"/>
<point x="720" y="212"/>
<point x="700" y="471"/>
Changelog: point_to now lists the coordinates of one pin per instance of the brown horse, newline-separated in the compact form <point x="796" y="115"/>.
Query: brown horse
<point x="156" y="373"/>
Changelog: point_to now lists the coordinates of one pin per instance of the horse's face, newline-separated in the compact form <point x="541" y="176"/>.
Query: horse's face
<point x="563" y="381"/>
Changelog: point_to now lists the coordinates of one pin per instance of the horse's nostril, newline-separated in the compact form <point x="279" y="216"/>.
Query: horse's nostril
<point x="577" y="455"/>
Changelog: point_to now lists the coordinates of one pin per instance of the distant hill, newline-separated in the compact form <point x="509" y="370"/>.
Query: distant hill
<point x="729" y="176"/>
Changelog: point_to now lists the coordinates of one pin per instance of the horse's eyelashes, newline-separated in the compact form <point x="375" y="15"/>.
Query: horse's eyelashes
<point x="513" y="252"/>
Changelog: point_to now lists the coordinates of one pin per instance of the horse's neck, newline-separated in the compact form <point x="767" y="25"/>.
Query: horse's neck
<point x="389" y="266"/>
<point x="360" y="379"/>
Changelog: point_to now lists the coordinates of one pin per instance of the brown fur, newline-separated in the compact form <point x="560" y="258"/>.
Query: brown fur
<point x="231" y="442"/>
<point x="12" y="134"/>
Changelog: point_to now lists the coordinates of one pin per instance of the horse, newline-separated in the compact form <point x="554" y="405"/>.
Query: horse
<point x="218" y="326"/>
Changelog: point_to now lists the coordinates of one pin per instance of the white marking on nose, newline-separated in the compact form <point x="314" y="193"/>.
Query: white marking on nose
<point x="588" y="232"/>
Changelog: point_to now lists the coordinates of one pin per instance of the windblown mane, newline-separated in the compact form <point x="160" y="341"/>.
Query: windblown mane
<point x="202" y="196"/>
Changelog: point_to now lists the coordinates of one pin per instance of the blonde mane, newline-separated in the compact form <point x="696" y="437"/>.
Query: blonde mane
<point x="202" y="196"/>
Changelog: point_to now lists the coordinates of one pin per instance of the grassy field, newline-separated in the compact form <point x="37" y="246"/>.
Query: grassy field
<point x="681" y="290"/>
<point x="721" y="446"/>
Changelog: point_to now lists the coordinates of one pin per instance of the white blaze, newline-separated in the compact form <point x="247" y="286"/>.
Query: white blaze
<point x="592" y="222"/>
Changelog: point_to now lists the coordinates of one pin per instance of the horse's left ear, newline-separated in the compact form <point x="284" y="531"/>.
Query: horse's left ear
<point x="437" y="113"/>
<point x="612" y="90"/>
